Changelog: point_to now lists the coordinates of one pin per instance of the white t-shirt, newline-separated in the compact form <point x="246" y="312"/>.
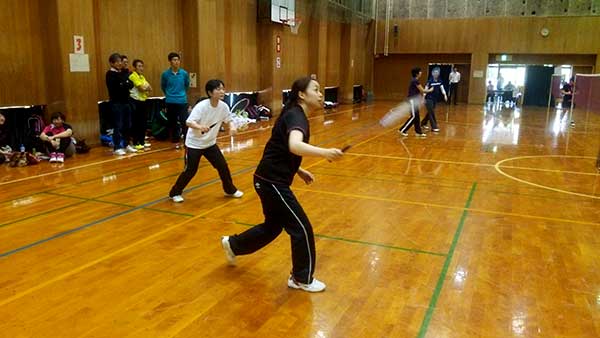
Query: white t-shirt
<point x="204" y="113"/>
<point x="454" y="77"/>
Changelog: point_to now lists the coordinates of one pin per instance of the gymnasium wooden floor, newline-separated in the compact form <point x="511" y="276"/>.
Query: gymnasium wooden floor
<point x="488" y="229"/>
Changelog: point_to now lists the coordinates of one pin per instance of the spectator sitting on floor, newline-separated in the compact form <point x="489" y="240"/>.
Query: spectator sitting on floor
<point x="57" y="138"/>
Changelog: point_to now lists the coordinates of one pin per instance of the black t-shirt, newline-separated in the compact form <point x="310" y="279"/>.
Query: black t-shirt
<point x="567" y="88"/>
<point x="436" y="94"/>
<point x="413" y="89"/>
<point x="278" y="165"/>
<point x="118" y="85"/>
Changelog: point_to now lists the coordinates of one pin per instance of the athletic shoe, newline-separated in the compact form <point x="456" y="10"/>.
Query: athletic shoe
<point x="177" y="198"/>
<point x="421" y="135"/>
<point x="139" y="147"/>
<point x="147" y="145"/>
<point x="227" y="248"/>
<point x="315" y="286"/>
<point x="120" y="152"/>
<point x="130" y="149"/>
<point x="403" y="134"/>
<point x="426" y="127"/>
<point x="435" y="130"/>
<point x="53" y="157"/>
<point x="236" y="194"/>
<point x="60" y="157"/>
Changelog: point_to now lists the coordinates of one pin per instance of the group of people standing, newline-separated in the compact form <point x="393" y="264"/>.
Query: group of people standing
<point x="128" y="91"/>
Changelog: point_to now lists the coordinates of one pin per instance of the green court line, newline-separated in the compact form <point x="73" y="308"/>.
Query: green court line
<point x="84" y="199"/>
<point x="440" y="283"/>
<point x="387" y="246"/>
<point x="40" y="214"/>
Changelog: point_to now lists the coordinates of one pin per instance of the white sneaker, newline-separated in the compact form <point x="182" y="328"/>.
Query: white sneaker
<point x="236" y="194"/>
<point x="131" y="149"/>
<point x="120" y="152"/>
<point x="227" y="248"/>
<point x="147" y="145"/>
<point x="435" y="130"/>
<point x="403" y="134"/>
<point x="177" y="198"/>
<point x="421" y="135"/>
<point x="315" y="286"/>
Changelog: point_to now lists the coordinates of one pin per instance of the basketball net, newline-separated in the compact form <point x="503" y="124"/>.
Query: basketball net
<point x="294" y="24"/>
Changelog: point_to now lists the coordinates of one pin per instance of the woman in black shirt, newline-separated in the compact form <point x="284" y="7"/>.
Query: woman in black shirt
<point x="280" y="162"/>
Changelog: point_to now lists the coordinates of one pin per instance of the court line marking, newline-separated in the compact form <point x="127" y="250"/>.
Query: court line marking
<point x="143" y="206"/>
<point x="113" y="216"/>
<point x="83" y="166"/>
<point x="474" y="163"/>
<point x="440" y="283"/>
<point x="443" y="206"/>
<point x="152" y="151"/>
<point x="497" y="166"/>
<point x="382" y="245"/>
<point x="103" y="258"/>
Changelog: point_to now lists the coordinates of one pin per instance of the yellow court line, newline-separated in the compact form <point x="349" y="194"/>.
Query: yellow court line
<point x="112" y="254"/>
<point x="474" y="163"/>
<point x="497" y="167"/>
<point x="144" y="153"/>
<point x="420" y="159"/>
<point x="181" y="327"/>
<point x="83" y="166"/>
<point x="443" y="206"/>
<point x="551" y="170"/>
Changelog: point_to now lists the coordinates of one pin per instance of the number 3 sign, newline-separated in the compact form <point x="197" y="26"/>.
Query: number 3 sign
<point x="78" y="44"/>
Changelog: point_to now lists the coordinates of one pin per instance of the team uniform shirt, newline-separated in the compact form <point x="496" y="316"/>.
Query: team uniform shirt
<point x="51" y="129"/>
<point x="138" y="80"/>
<point x="438" y="90"/>
<point x="413" y="88"/>
<point x="205" y="114"/>
<point x="278" y="165"/>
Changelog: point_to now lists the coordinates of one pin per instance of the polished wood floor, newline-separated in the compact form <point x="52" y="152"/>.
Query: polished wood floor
<point x="487" y="229"/>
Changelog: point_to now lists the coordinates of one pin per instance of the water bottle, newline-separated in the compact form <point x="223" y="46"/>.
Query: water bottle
<point x="22" y="149"/>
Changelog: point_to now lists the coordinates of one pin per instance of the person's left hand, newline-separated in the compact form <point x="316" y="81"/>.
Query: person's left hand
<point x="306" y="175"/>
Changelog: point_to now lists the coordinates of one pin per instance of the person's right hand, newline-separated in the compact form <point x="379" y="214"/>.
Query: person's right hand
<point x="203" y="129"/>
<point x="332" y="154"/>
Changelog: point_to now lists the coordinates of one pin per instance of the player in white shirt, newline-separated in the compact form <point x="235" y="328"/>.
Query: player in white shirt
<point x="203" y="124"/>
<point x="454" y="80"/>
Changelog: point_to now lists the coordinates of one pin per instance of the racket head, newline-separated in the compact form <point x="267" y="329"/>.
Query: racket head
<point x="241" y="105"/>
<point x="400" y="111"/>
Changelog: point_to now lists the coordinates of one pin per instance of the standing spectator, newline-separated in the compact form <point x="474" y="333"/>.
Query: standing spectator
<point x="490" y="92"/>
<point x="454" y="81"/>
<point x="57" y="138"/>
<point x="175" y="82"/>
<point x="139" y="94"/>
<point x="125" y="62"/>
<point x="118" y="85"/>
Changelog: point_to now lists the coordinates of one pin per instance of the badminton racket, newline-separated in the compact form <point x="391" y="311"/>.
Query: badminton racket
<point x="210" y="127"/>
<point x="401" y="111"/>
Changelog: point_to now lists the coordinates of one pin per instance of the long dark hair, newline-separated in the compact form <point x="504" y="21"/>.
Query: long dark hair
<point x="300" y="85"/>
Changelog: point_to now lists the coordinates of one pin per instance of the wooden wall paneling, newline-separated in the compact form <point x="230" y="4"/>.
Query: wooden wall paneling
<point x="242" y="40"/>
<point x="211" y="41"/>
<point x="22" y="75"/>
<point x="80" y="88"/>
<point x="334" y="33"/>
<point x="477" y="86"/>
<point x="158" y="32"/>
<point x="191" y="46"/>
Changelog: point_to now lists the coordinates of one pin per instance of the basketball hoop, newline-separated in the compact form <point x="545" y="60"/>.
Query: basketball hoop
<point x="294" y="24"/>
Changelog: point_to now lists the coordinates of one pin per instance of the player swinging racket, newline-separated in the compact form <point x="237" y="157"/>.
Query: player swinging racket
<point x="279" y="164"/>
<point x="414" y="89"/>
<point x="203" y="127"/>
